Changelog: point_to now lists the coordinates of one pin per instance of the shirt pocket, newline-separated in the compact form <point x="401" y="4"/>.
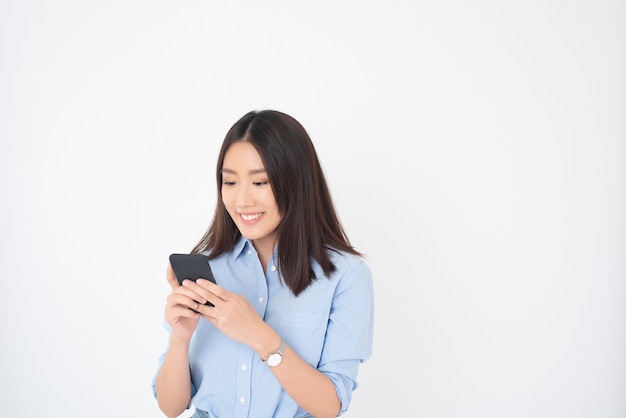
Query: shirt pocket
<point x="304" y="332"/>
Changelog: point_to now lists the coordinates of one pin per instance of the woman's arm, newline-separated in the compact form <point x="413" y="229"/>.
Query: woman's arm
<point x="173" y="381"/>
<point x="233" y="315"/>
<point x="312" y="390"/>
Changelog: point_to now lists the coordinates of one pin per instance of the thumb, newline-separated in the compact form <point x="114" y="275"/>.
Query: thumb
<point x="171" y="277"/>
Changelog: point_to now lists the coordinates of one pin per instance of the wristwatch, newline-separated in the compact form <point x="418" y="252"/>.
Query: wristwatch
<point x="276" y="358"/>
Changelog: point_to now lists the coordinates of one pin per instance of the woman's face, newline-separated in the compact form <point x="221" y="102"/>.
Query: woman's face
<point x="248" y="196"/>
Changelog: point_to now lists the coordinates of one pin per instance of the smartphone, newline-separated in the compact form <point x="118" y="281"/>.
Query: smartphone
<point x="192" y="267"/>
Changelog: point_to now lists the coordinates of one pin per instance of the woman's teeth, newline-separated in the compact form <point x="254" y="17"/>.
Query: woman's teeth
<point x="250" y="217"/>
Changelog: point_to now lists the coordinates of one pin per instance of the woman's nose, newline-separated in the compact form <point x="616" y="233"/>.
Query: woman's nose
<point x="244" y="196"/>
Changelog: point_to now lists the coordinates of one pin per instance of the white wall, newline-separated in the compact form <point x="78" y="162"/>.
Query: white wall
<point x="476" y="151"/>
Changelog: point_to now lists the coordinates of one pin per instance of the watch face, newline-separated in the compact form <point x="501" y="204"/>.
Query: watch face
<point x="274" y="359"/>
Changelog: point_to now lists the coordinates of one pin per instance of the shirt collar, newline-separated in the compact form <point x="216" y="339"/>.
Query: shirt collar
<point x="242" y="245"/>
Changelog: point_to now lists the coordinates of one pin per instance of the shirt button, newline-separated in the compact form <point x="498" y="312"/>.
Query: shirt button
<point x="273" y="268"/>
<point x="249" y="252"/>
<point x="244" y="367"/>
<point x="261" y="299"/>
<point x="242" y="400"/>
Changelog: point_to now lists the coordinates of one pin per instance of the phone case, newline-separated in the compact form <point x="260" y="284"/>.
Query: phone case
<point x="191" y="266"/>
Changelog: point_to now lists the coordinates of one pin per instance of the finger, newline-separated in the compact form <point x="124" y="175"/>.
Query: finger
<point x="178" y="306"/>
<point x="191" y="292"/>
<point x="194" y="287"/>
<point x="179" y="312"/>
<point x="185" y="296"/>
<point x="215" y="289"/>
<point x="171" y="277"/>
<point x="207" y="311"/>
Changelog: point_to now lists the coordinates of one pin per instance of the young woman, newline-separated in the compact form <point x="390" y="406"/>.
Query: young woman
<point x="293" y="305"/>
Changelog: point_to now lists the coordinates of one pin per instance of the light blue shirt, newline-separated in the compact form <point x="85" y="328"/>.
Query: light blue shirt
<point x="329" y="325"/>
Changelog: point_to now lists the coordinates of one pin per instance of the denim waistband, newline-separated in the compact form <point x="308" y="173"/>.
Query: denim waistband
<point x="203" y="414"/>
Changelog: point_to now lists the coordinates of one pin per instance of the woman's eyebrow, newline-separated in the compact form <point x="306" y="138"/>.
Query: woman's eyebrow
<point x="255" y="171"/>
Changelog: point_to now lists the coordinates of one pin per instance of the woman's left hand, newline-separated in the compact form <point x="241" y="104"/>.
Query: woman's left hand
<point x="232" y="314"/>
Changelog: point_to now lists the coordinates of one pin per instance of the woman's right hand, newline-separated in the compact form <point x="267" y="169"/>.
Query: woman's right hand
<point x="178" y="308"/>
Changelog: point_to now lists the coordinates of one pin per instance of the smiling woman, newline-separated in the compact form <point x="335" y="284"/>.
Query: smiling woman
<point x="475" y="151"/>
<point x="248" y="197"/>
<point x="292" y="314"/>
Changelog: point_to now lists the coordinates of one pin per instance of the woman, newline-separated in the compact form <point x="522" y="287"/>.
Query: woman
<point x="293" y="304"/>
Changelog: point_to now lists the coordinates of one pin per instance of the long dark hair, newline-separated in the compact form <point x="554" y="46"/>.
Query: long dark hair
<point x="309" y="227"/>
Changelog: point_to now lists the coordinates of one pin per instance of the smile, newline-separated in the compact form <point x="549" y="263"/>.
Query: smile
<point x="250" y="217"/>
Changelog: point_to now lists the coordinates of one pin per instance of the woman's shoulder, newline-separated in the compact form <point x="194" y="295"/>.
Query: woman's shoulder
<point x="352" y="274"/>
<point x="345" y="261"/>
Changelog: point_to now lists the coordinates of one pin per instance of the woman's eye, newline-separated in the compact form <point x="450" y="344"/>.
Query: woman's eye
<point x="260" y="183"/>
<point x="228" y="183"/>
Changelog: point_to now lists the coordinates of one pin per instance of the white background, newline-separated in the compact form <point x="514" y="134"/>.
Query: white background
<point x="476" y="151"/>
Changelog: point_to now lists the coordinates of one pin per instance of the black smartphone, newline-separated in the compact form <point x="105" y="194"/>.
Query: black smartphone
<point x="192" y="267"/>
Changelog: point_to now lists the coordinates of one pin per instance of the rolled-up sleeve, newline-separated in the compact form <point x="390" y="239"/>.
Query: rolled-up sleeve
<point x="349" y="336"/>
